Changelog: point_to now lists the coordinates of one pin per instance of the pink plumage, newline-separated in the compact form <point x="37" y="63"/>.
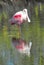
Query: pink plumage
<point x="20" y="17"/>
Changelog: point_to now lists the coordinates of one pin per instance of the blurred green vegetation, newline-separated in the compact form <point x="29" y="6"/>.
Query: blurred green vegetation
<point x="29" y="32"/>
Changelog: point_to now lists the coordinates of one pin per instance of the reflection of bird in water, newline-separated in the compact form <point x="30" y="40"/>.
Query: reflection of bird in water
<point x="22" y="46"/>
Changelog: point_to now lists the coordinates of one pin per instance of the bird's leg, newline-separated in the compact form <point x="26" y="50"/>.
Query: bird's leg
<point x="19" y="27"/>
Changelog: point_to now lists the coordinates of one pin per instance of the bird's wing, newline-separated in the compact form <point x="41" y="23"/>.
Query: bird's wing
<point x="17" y="13"/>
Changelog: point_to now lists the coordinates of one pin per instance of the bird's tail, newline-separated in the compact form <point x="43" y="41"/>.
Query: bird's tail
<point x="12" y="21"/>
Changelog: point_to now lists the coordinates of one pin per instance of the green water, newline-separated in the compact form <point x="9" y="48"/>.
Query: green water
<point x="30" y="32"/>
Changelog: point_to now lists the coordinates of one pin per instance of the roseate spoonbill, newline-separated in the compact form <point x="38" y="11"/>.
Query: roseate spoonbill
<point x="20" y="17"/>
<point x="22" y="46"/>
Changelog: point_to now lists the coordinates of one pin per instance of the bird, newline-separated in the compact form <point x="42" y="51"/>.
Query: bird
<point x="20" y="17"/>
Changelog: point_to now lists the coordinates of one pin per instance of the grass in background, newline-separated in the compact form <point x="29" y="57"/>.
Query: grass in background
<point x="29" y="32"/>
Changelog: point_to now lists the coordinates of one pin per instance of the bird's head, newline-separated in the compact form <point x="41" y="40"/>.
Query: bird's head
<point x="25" y="10"/>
